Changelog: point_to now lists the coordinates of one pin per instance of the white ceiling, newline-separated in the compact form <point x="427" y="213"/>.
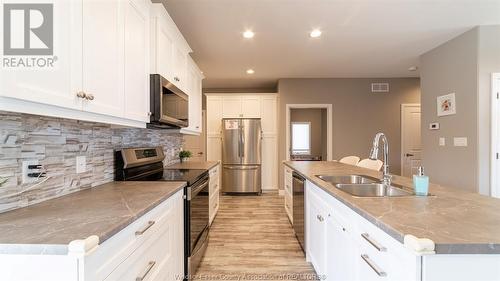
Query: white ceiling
<point x="361" y="38"/>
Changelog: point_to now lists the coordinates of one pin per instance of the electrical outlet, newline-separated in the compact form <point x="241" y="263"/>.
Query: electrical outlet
<point x="26" y="171"/>
<point x="81" y="164"/>
<point x="442" y="141"/>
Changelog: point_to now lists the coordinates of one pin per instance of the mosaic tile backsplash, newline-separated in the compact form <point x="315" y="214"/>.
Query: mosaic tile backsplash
<point x="55" y="143"/>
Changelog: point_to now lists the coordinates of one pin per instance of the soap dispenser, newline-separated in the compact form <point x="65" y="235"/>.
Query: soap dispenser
<point x="421" y="183"/>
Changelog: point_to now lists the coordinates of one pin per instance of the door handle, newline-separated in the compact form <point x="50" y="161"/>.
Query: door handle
<point x="242" y="168"/>
<point x="409" y="155"/>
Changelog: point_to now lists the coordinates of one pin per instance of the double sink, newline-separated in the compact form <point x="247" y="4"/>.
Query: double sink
<point x="364" y="186"/>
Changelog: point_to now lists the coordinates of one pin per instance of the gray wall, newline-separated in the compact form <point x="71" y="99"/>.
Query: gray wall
<point x="56" y="142"/>
<point x="462" y="66"/>
<point x="314" y="116"/>
<point x="358" y="114"/>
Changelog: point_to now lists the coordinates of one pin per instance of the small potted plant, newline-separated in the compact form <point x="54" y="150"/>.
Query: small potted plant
<point x="184" y="154"/>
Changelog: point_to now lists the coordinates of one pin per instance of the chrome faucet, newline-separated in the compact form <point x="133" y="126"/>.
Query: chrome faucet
<point x="386" y="179"/>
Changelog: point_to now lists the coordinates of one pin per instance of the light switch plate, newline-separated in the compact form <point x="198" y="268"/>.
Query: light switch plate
<point x="442" y="142"/>
<point x="81" y="164"/>
<point x="460" y="141"/>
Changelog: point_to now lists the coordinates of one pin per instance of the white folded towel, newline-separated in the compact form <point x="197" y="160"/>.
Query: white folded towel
<point x="421" y="246"/>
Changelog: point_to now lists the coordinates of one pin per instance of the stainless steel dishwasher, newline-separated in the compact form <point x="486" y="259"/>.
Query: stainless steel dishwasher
<point x="298" y="208"/>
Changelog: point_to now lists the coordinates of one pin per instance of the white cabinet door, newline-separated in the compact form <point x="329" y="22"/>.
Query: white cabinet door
<point x="57" y="85"/>
<point x="214" y="115"/>
<point x="250" y="106"/>
<point x="137" y="60"/>
<point x="214" y="148"/>
<point x="179" y="64"/>
<point x="162" y="49"/>
<point x="231" y="107"/>
<point x="194" y="92"/>
<point x="316" y="231"/>
<point x="342" y="251"/>
<point x="269" y="163"/>
<point x="269" y="115"/>
<point x="103" y="57"/>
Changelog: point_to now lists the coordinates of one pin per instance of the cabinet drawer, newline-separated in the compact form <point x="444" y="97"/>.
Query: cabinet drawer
<point x="152" y="261"/>
<point x="214" y="172"/>
<point x="116" y="249"/>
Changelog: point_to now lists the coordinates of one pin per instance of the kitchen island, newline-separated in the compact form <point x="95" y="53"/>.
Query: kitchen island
<point x="451" y="235"/>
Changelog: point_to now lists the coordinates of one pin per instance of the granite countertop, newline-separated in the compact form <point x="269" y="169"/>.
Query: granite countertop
<point x="101" y="211"/>
<point x="458" y="222"/>
<point x="194" y="165"/>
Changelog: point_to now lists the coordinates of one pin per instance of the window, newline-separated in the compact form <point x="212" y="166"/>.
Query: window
<point x="301" y="138"/>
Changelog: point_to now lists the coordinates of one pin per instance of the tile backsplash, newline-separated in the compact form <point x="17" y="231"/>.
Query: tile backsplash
<point x="55" y="143"/>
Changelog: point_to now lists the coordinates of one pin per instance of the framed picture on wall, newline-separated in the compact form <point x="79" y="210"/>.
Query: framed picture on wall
<point x="446" y="105"/>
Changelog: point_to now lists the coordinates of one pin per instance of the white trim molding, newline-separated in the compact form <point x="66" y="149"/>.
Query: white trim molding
<point x="402" y="156"/>
<point x="329" y="125"/>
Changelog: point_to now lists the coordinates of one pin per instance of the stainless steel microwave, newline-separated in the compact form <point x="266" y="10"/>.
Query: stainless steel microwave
<point x="169" y="105"/>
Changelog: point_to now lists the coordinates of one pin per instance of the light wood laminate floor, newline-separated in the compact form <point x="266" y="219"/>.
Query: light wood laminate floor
<point x="252" y="239"/>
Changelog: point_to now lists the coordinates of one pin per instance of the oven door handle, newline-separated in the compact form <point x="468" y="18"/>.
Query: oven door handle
<point x="192" y="192"/>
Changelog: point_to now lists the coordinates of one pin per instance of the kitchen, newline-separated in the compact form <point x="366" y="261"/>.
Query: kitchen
<point x="159" y="143"/>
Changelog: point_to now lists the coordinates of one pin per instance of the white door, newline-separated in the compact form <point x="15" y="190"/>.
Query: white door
<point x="163" y="50"/>
<point x="103" y="57"/>
<point x="269" y="163"/>
<point x="411" y="142"/>
<point x="57" y="85"/>
<point x="196" y="144"/>
<point x="250" y="106"/>
<point x="495" y="184"/>
<point x="179" y="63"/>
<point x="269" y="115"/>
<point x="137" y="60"/>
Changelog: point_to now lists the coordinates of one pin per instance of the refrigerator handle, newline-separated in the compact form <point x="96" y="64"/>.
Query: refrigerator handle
<point x="239" y="141"/>
<point x="242" y="142"/>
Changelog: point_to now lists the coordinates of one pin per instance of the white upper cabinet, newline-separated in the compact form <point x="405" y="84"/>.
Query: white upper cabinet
<point x="231" y="107"/>
<point x="58" y="85"/>
<point x="101" y="70"/>
<point x="169" y="49"/>
<point x="250" y="106"/>
<point x="193" y="80"/>
<point x="103" y="57"/>
<point x="214" y="115"/>
<point x="137" y="59"/>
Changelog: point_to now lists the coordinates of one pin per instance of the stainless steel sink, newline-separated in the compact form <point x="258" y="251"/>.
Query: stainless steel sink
<point x="373" y="190"/>
<point x="348" y="179"/>
<point x="365" y="186"/>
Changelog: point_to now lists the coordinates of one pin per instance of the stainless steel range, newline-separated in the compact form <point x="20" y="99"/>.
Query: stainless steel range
<point x="145" y="164"/>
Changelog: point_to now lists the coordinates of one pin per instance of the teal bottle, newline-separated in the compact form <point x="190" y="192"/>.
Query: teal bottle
<point x="421" y="183"/>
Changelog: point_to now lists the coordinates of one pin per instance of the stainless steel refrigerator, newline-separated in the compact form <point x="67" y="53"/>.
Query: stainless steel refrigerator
<point x="241" y="155"/>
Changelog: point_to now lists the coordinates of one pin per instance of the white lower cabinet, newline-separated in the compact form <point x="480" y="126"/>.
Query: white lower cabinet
<point x="214" y="191"/>
<point x="150" y="248"/>
<point x="342" y="245"/>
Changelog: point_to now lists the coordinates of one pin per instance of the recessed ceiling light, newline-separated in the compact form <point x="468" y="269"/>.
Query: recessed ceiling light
<point x="250" y="71"/>
<point x="315" y="33"/>
<point x="413" y="68"/>
<point x="248" y="34"/>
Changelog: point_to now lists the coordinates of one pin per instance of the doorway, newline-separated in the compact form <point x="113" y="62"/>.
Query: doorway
<point x="196" y="143"/>
<point x="309" y="132"/>
<point x="411" y="141"/>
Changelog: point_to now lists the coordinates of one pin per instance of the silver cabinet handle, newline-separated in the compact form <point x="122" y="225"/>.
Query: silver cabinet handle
<point x="320" y="218"/>
<point x="151" y="264"/>
<point x="141" y="232"/>
<point x="375" y="268"/>
<point x="81" y="95"/>
<point x="374" y="243"/>
<point x="90" y="97"/>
